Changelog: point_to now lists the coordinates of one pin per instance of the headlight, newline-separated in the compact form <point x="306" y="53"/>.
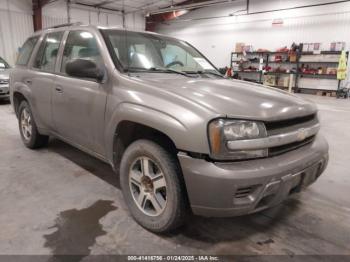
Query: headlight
<point x="221" y="131"/>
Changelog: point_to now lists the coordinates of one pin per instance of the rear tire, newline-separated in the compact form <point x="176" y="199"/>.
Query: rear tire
<point x="153" y="187"/>
<point x="28" y="129"/>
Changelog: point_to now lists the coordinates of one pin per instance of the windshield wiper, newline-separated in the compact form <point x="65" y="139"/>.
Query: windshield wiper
<point x="200" y="72"/>
<point x="160" y="70"/>
<point x="169" y="70"/>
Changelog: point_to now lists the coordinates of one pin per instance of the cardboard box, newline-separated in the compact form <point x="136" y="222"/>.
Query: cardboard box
<point x="269" y="80"/>
<point x="331" y="70"/>
<point x="293" y="57"/>
<point x="239" y="47"/>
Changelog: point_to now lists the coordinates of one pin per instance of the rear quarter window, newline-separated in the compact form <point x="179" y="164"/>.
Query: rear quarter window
<point x="26" y="51"/>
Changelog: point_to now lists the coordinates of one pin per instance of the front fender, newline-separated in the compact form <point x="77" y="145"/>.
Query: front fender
<point x="175" y="129"/>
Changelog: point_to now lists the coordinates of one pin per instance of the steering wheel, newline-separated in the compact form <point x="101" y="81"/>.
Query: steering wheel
<point x="174" y="63"/>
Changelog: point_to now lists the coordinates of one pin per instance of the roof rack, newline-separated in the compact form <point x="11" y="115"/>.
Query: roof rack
<point x="64" y="25"/>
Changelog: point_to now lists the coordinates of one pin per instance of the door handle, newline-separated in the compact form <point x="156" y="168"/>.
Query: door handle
<point x="29" y="82"/>
<point x="59" y="89"/>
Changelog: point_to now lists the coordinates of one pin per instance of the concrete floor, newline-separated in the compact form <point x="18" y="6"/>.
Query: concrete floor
<point x="59" y="200"/>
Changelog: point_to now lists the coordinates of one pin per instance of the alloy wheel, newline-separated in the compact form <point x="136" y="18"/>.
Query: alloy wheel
<point x="148" y="186"/>
<point x="26" y="124"/>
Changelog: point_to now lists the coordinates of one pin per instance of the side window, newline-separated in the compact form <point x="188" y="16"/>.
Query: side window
<point x="47" y="54"/>
<point x="26" y="51"/>
<point x="80" y="44"/>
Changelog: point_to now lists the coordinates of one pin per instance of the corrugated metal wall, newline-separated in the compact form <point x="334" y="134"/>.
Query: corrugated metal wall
<point x="56" y="13"/>
<point x="15" y="26"/>
<point x="16" y="22"/>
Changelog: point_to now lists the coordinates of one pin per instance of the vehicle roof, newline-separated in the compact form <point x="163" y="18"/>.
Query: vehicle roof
<point x="75" y="26"/>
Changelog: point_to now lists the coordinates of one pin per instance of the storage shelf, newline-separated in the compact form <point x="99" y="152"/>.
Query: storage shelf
<point x="284" y="87"/>
<point x="261" y="53"/>
<point x="284" y="62"/>
<point x="280" y="73"/>
<point x="247" y="72"/>
<point x="327" y="76"/>
<point x="298" y="75"/>
<point x="320" y="62"/>
<point x="322" y="53"/>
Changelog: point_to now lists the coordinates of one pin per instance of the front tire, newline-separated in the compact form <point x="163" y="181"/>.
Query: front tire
<point x="28" y="129"/>
<point x="153" y="187"/>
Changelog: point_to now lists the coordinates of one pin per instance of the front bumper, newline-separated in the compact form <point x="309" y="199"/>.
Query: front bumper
<point x="4" y="91"/>
<point x="238" y="188"/>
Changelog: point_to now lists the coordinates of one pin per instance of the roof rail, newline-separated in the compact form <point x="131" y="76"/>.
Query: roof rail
<point x="64" y="25"/>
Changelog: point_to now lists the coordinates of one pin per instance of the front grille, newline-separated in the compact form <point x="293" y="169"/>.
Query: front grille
<point x="273" y="151"/>
<point x="270" y="126"/>
<point x="290" y="125"/>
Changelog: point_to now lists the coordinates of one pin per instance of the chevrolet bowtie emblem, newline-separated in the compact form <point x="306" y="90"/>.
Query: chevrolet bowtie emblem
<point x="302" y="134"/>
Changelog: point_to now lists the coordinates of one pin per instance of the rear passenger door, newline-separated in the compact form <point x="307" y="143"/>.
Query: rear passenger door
<point x="79" y="104"/>
<point x="42" y="78"/>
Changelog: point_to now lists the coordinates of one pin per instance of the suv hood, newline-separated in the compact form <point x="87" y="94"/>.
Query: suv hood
<point x="234" y="98"/>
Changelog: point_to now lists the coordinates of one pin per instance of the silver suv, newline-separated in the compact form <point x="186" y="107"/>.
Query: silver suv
<point x="181" y="137"/>
<point x="4" y="79"/>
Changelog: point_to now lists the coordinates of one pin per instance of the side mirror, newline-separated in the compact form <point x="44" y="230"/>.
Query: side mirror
<point x="84" y="68"/>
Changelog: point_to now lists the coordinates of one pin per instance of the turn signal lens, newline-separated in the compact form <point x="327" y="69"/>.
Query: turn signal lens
<point x="215" y="136"/>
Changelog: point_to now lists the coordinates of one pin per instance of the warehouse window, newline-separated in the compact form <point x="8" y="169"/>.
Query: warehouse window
<point x="47" y="55"/>
<point x="80" y="44"/>
<point x="26" y="51"/>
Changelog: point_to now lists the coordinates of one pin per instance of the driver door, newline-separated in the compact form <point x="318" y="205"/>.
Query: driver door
<point x="78" y="104"/>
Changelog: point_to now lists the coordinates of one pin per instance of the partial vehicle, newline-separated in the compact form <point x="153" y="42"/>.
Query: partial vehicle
<point x="4" y="79"/>
<point x="182" y="138"/>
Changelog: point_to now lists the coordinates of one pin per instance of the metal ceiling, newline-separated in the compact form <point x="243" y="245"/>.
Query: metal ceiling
<point x="129" y="5"/>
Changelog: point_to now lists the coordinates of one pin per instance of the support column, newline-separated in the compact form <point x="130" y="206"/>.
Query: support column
<point x="37" y="15"/>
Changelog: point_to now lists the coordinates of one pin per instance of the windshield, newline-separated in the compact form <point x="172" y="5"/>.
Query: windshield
<point x="3" y="64"/>
<point x="135" y="51"/>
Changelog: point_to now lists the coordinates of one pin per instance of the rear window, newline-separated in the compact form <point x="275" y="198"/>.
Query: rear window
<point x="47" y="55"/>
<point x="26" y="51"/>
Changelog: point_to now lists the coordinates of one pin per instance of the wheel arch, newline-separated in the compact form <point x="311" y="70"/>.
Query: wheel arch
<point x="18" y="98"/>
<point x="128" y="131"/>
<point x="144" y="121"/>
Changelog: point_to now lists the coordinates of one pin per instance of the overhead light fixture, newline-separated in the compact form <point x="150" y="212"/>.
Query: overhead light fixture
<point x="277" y="22"/>
<point x="174" y="7"/>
